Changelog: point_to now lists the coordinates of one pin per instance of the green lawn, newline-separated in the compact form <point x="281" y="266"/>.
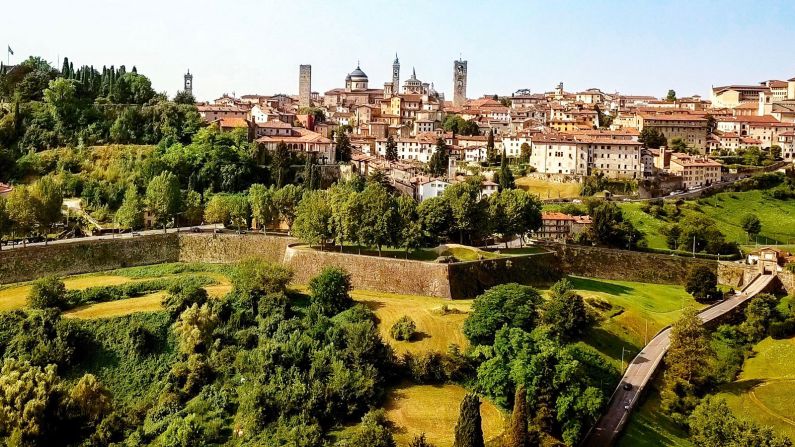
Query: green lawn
<point x="727" y="210"/>
<point x="648" y="427"/>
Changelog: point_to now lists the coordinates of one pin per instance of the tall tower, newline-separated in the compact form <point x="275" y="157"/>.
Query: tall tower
<point x="396" y="75"/>
<point x="305" y="86"/>
<point x="188" y="85"/>
<point x="459" y="83"/>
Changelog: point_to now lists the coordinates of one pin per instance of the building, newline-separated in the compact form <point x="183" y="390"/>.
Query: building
<point x="696" y="171"/>
<point x="301" y="140"/>
<point x="428" y="188"/>
<point x="561" y="227"/>
<point x="419" y="148"/>
<point x="188" y="83"/>
<point x="731" y="96"/>
<point x="786" y="142"/>
<point x="459" y="83"/>
<point x="692" y="129"/>
<point x="395" y="74"/>
<point x="210" y="113"/>
<point x="304" y="85"/>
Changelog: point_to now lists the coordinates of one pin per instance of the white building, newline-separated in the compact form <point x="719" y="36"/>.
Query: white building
<point x="431" y="188"/>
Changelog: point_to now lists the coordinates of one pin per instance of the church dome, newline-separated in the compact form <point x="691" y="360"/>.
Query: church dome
<point x="358" y="75"/>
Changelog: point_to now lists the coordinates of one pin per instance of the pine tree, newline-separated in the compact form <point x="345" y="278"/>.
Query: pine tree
<point x="440" y="159"/>
<point x="517" y="431"/>
<point x="468" y="431"/>
<point x="343" y="147"/>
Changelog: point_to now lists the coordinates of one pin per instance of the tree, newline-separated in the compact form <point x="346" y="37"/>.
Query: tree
<point x="239" y="210"/>
<point x="373" y="431"/>
<point x="131" y="212"/>
<point x="330" y="290"/>
<point x="652" y="138"/>
<point x="91" y="397"/>
<point x="435" y="219"/>
<point x="280" y="164"/>
<point x="21" y="211"/>
<point x="29" y="398"/>
<point x="404" y="329"/>
<point x="438" y="164"/>
<point x="184" y="97"/>
<point x="49" y="200"/>
<point x="313" y="218"/>
<point x="263" y="206"/>
<point x="758" y="315"/>
<point x="5" y="222"/>
<point x="47" y="292"/>
<point x="163" y="197"/>
<point x="378" y="219"/>
<point x="687" y="363"/>
<point x="702" y="283"/>
<point x="194" y="209"/>
<point x="513" y="305"/>
<point x="286" y="201"/>
<point x="194" y="328"/>
<point x="517" y="435"/>
<point x="391" y="152"/>
<point x="751" y="225"/>
<point x="218" y="210"/>
<point x="609" y="227"/>
<point x="343" y="147"/>
<point x="526" y="151"/>
<point x="679" y="145"/>
<point x="409" y="228"/>
<point x="468" y="430"/>
<point x="255" y="278"/>
<point x="469" y="210"/>
<point x="506" y="175"/>
<point x="420" y="441"/>
<point x="713" y="424"/>
<point x="671" y="96"/>
<point x="565" y="312"/>
<point x="491" y="154"/>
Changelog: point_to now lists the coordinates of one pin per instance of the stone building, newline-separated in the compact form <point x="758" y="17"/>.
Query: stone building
<point x="305" y="86"/>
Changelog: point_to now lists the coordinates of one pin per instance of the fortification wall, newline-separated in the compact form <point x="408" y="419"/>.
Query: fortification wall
<point x="25" y="264"/>
<point x="223" y="248"/>
<point x="469" y="279"/>
<point x="372" y="273"/>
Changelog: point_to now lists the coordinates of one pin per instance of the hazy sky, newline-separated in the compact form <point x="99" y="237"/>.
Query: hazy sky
<point x="250" y="46"/>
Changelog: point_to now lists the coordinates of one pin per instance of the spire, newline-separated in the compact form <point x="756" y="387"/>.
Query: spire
<point x="413" y="73"/>
<point x="358" y="65"/>
<point x="397" y="61"/>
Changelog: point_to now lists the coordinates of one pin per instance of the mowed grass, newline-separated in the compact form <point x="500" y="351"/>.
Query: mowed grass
<point x="548" y="190"/>
<point x="764" y="390"/>
<point x="433" y="410"/>
<point x="147" y="303"/>
<point x="15" y="296"/>
<point x="727" y="210"/>
<point x="436" y="329"/>
<point x="638" y="311"/>
<point x="649" y="427"/>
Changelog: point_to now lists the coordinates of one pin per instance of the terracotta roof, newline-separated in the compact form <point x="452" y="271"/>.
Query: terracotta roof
<point x="661" y="117"/>
<point x="275" y="124"/>
<point x="556" y="216"/>
<point x="237" y="123"/>
<point x="299" y="135"/>
<point x="778" y="84"/>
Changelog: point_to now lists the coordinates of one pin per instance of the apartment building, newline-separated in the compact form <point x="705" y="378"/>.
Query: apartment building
<point x="696" y="170"/>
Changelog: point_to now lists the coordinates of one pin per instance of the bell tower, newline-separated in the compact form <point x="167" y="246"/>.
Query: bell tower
<point x="188" y="86"/>
<point x="459" y="83"/>
<point x="395" y="75"/>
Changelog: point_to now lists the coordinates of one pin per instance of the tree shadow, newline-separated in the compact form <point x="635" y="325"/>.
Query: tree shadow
<point x="609" y="344"/>
<point x="595" y="285"/>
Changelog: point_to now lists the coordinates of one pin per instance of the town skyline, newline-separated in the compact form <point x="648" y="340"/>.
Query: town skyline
<point x="635" y="50"/>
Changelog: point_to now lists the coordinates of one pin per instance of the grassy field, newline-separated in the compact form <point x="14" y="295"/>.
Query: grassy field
<point x="548" y="190"/>
<point x="648" y="427"/>
<point x="437" y="329"/>
<point x="727" y="209"/>
<point x="415" y="409"/>
<point x="14" y="296"/>
<point x="765" y="388"/>
<point x="637" y="311"/>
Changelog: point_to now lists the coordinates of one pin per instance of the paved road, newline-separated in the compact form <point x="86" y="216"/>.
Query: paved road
<point x="640" y="371"/>
<point x="109" y="236"/>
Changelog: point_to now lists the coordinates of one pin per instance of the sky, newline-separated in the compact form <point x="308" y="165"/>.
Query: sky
<point x="256" y="46"/>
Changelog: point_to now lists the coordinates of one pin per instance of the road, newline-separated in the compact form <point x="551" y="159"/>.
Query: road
<point x="642" y="368"/>
<point x="110" y="236"/>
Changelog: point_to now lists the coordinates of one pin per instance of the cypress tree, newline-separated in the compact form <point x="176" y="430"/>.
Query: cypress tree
<point x="65" y="67"/>
<point x="506" y="176"/>
<point x="468" y="430"/>
<point x="517" y="431"/>
<point x="490" y="155"/>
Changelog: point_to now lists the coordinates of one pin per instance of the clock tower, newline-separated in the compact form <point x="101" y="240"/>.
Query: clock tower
<point x="396" y="75"/>
<point x="459" y="83"/>
<point x="188" y="82"/>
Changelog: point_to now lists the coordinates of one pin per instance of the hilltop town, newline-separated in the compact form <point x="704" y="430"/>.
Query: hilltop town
<point x="390" y="264"/>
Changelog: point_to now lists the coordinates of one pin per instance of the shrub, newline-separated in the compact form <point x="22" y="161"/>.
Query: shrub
<point x="48" y="292"/>
<point x="329" y="290"/>
<point x="182" y="295"/>
<point x="404" y="329"/>
<point x="514" y="305"/>
<point x="426" y="368"/>
<point x="782" y="329"/>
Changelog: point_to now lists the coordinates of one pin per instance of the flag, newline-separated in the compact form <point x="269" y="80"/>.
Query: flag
<point x="10" y="51"/>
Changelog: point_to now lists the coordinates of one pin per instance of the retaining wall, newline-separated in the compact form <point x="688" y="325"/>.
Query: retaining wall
<point x="469" y="279"/>
<point x="224" y="248"/>
<point x="29" y="263"/>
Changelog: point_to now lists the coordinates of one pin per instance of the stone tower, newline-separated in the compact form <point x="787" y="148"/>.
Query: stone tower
<point x="459" y="83"/>
<point x="396" y="75"/>
<point x="188" y="85"/>
<point x="305" y="86"/>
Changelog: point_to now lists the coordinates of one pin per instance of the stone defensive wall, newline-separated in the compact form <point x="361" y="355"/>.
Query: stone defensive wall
<point x="452" y="281"/>
<point x="73" y="257"/>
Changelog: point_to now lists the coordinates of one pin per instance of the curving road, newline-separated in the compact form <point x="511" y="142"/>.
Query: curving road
<point x="640" y="371"/>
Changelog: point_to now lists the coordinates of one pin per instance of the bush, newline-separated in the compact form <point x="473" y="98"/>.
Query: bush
<point x="404" y="329"/>
<point x="514" y="305"/>
<point x="46" y="293"/>
<point x="182" y="295"/>
<point x="329" y="290"/>
<point x="426" y="368"/>
<point x="782" y="329"/>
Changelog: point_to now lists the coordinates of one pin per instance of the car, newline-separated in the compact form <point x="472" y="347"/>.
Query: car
<point x="196" y="230"/>
<point x="627" y="386"/>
